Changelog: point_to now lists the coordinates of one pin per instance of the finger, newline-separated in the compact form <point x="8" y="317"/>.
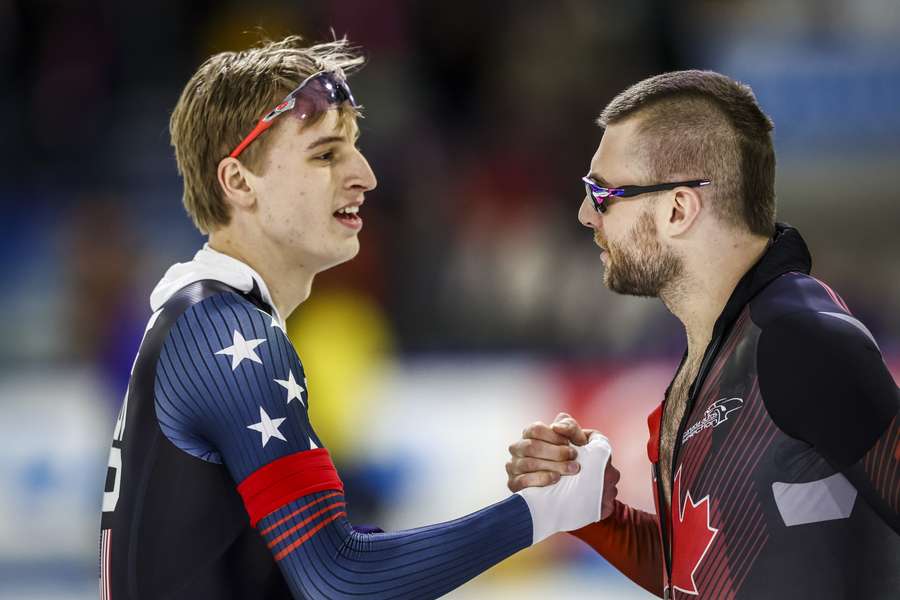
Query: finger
<point x="542" y="431"/>
<point x="539" y="479"/>
<point x="540" y="449"/>
<point x="571" y="429"/>
<point x="523" y="466"/>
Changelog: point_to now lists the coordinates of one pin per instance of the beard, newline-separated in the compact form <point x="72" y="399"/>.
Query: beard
<point x="641" y="266"/>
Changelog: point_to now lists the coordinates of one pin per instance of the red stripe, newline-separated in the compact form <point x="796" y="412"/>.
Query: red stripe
<point x="104" y="566"/>
<point x="299" y="510"/>
<point x="305" y="521"/>
<point x="837" y="299"/>
<point x="108" y="561"/>
<point x="102" y="559"/>
<point x="293" y="546"/>
<point x="291" y="477"/>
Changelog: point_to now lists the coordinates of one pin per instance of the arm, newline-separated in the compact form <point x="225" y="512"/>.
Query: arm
<point x="231" y="389"/>
<point x="629" y="540"/>
<point x="823" y="381"/>
<point x="626" y="537"/>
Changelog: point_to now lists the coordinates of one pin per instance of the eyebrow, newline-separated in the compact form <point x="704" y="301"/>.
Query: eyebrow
<point x="331" y="139"/>
<point x="325" y="140"/>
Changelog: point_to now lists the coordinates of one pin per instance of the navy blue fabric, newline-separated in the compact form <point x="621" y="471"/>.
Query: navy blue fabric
<point x="427" y="562"/>
<point x="206" y="405"/>
<point x="824" y="381"/>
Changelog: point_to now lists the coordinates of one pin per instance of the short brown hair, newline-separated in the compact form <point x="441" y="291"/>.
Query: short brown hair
<point x="223" y="101"/>
<point x="701" y="124"/>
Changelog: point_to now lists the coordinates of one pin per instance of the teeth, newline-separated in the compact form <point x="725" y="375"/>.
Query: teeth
<point x="349" y="210"/>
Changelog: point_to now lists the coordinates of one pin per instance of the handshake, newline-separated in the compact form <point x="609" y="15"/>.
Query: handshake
<point x="565" y="475"/>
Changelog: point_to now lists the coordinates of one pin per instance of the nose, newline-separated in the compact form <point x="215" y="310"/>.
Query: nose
<point x="363" y="176"/>
<point x="587" y="215"/>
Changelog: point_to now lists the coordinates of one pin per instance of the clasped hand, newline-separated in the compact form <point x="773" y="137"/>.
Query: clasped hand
<point x="547" y="452"/>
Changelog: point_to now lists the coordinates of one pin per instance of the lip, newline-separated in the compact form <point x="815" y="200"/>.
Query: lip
<point x="354" y="224"/>
<point x="359" y="202"/>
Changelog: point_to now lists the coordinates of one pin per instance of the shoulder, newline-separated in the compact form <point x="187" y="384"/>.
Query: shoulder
<point x="224" y="363"/>
<point x="802" y="317"/>
<point x="223" y="343"/>
<point x="794" y="294"/>
<point x="226" y="323"/>
<point x="821" y="373"/>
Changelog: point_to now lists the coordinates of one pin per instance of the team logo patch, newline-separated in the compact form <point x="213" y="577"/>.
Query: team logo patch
<point x="715" y="415"/>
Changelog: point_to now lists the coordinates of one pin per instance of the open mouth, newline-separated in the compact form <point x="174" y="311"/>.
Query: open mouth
<point x="349" y="216"/>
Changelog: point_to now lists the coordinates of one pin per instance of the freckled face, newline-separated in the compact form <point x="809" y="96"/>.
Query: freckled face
<point x="310" y="192"/>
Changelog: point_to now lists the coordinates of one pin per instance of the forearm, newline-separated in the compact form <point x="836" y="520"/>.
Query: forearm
<point x="629" y="540"/>
<point x="322" y="556"/>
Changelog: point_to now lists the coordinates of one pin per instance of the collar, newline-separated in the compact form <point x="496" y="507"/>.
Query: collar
<point x="787" y="253"/>
<point x="212" y="264"/>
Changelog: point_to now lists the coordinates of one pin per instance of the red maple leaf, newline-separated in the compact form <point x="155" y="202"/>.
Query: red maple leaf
<point x="692" y="537"/>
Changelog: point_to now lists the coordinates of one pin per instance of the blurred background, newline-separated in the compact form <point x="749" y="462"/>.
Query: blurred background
<point x="476" y="305"/>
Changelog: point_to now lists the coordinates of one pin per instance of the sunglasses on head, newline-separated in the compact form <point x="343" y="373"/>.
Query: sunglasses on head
<point x="599" y="194"/>
<point x="318" y="92"/>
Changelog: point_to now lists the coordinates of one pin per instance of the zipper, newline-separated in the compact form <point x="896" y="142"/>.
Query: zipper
<point x="711" y="352"/>
<point x="663" y="524"/>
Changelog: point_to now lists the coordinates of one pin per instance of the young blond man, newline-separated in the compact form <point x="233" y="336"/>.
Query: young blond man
<point x="218" y="485"/>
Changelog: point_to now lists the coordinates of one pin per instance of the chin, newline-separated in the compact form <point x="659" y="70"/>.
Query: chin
<point x="347" y="253"/>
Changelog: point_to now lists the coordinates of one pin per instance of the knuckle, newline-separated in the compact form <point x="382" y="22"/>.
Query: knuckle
<point x="517" y="448"/>
<point x="532" y="429"/>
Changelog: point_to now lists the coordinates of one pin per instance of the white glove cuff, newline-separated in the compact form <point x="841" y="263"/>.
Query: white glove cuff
<point x="575" y="501"/>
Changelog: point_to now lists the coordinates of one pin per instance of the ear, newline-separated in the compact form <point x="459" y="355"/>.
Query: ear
<point x="683" y="210"/>
<point x="236" y="183"/>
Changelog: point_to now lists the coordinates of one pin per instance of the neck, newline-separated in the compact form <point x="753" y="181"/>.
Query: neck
<point x="699" y="296"/>
<point x="289" y="284"/>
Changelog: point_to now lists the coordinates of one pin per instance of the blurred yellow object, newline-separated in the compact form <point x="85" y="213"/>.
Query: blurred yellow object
<point x="343" y="339"/>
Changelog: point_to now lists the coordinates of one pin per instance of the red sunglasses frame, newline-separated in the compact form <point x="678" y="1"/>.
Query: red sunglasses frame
<point x="317" y="93"/>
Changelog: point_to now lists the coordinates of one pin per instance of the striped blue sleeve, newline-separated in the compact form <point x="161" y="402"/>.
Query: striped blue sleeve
<point x="323" y="557"/>
<point x="230" y="389"/>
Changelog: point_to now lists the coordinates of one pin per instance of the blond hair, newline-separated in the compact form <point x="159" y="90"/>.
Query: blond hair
<point x="222" y="102"/>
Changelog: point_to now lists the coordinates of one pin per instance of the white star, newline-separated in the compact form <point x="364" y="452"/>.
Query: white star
<point x="268" y="427"/>
<point x="241" y="349"/>
<point x="275" y="323"/>
<point x="293" y="389"/>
